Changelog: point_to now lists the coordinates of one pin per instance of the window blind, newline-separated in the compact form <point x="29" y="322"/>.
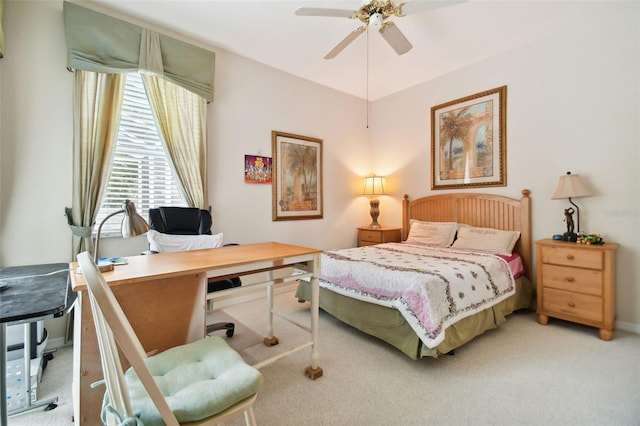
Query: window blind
<point x="141" y="170"/>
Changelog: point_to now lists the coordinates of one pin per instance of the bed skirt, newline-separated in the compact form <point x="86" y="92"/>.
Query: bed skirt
<point x="388" y="324"/>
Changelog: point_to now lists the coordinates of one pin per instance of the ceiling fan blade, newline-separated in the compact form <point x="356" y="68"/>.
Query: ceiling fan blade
<point x="333" y="13"/>
<point x="416" y="6"/>
<point x="392" y="34"/>
<point x="345" y="42"/>
<point x="395" y="38"/>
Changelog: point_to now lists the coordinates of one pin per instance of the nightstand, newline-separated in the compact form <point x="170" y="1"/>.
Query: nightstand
<point x="370" y="236"/>
<point x="576" y="282"/>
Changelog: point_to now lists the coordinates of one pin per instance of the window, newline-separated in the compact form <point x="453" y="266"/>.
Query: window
<point x="141" y="170"/>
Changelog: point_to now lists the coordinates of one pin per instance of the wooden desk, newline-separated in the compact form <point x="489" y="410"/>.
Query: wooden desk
<point x="164" y="298"/>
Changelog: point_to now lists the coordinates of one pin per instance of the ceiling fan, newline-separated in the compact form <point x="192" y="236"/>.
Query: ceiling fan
<point x="375" y="14"/>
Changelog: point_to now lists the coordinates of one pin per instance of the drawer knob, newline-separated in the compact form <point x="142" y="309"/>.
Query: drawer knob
<point x="569" y="279"/>
<point x="571" y="304"/>
<point x="570" y="256"/>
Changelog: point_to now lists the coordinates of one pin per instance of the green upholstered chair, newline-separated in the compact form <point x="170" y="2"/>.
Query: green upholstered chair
<point x="203" y="382"/>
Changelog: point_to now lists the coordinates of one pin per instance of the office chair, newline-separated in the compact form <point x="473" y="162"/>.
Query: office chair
<point x="205" y="381"/>
<point x="192" y="221"/>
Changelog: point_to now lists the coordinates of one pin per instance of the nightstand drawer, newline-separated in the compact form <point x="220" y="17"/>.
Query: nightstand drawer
<point x="583" y="306"/>
<point x="572" y="256"/>
<point x="370" y="236"/>
<point x="587" y="281"/>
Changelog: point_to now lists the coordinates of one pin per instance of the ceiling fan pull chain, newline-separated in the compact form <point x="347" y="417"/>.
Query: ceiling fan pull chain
<point x="367" y="79"/>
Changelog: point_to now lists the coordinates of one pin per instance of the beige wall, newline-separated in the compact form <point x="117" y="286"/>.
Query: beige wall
<point x="572" y="105"/>
<point x="251" y="100"/>
<point x="35" y="137"/>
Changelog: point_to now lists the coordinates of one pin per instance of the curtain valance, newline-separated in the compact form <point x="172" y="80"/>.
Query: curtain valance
<point x="102" y="43"/>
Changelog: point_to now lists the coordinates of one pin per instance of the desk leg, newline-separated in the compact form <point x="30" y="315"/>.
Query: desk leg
<point x="270" y="340"/>
<point x="313" y="371"/>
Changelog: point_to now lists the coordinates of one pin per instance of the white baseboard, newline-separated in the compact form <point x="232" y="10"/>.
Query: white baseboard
<point x="249" y="294"/>
<point x="246" y="294"/>
<point x="55" y="343"/>
<point x="628" y="326"/>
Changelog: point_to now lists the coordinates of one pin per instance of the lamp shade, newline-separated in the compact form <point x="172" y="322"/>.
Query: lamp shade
<point x="571" y="186"/>
<point x="373" y="185"/>
<point x="133" y="224"/>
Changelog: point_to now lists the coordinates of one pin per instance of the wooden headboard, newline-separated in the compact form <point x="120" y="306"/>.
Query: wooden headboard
<point x="485" y="210"/>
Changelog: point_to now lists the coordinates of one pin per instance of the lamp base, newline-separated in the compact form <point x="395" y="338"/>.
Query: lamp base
<point x="374" y="212"/>
<point x="570" y="236"/>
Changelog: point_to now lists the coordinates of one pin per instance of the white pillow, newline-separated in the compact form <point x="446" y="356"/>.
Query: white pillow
<point x="165" y="243"/>
<point x="488" y="240"/>
<point x="439" y="234"/>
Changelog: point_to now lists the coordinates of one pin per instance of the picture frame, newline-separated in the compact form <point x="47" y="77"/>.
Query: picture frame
<point x="258" y="169"/>
<point x="297" y="177"/>
<point x="469" y="141"/>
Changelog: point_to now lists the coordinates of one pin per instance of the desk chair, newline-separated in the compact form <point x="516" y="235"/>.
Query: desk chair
<point x="205" y="381"/>
<point x="192" y="221"/>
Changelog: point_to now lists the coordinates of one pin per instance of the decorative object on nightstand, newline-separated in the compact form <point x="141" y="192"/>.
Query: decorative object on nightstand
<point x="369" y="236"/>
<point x="132" y="225"/>
<point x="374" y="186"/>
<point x="576" y="282"/>
<point x="571" y="186"/>
<point x="589" y="239"/>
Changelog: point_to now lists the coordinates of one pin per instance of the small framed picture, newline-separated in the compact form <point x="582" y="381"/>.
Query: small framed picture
<point x="257" y="169"/>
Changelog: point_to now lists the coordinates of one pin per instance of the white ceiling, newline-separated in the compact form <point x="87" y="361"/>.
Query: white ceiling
<point x="444" y="39"/>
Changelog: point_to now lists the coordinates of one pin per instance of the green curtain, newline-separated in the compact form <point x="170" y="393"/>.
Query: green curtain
<point x="101" y="43"/>
<point x="97" y="101"/>
<point x="181" y="117"/>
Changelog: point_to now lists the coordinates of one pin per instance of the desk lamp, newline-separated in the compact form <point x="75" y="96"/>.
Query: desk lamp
<point x="571" y="186"/>
<point x="132" y="225"/>
<point x="374" y="186"/>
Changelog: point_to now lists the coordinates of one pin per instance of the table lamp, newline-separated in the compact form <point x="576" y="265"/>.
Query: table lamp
<point x="374" y="186"/>
<point x="571" y="186"/>
<point x="132" y="225"/>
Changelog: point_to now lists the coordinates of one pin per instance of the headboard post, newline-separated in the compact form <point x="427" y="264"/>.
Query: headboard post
<point x="526" y="243"/>
<point x="405" y="217"/>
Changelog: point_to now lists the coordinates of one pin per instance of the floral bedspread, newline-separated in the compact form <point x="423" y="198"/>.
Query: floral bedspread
<point x="432" y="287"/>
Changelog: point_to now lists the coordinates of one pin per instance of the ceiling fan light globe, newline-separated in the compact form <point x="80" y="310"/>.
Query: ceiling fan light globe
<point x="375" y="20"/>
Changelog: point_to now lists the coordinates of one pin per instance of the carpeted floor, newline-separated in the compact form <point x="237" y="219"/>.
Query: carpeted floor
<point x="522" y="373"/>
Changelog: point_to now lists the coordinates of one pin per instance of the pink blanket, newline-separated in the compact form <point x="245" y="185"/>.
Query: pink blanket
<point x="432" y="287"/>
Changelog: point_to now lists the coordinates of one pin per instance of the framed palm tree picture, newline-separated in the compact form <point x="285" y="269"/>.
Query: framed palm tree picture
<point x="469" y="141"/>
<point x="297" y="177"/>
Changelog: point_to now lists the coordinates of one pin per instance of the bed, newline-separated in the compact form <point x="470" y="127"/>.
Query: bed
<point x="390" y="323"/>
